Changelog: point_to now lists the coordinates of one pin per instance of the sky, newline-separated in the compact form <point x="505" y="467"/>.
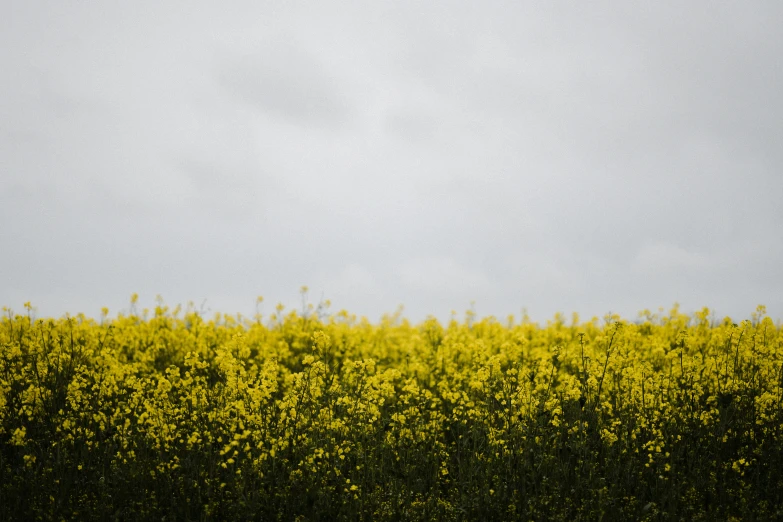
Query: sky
<point x="550" y="156"/>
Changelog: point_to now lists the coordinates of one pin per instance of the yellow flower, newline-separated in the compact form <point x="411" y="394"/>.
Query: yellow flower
<point x="18" y="437"/>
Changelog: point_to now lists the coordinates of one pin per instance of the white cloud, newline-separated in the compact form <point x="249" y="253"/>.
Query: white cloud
<point x="666" y="257"/>
<point x="426" y="155"/>
<point x="353" y="288"/>
<point x="441" y="275"/>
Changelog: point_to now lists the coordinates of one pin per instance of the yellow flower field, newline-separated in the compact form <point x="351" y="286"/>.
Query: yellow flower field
<point x="165" y="413"/>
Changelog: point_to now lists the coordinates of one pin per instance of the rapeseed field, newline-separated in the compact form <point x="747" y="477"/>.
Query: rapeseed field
<point x="164" y="414"/>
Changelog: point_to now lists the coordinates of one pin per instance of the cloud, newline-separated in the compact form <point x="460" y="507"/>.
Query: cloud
<point x="353" y="278"/>
<point x="287" y="81"/>
<point x="227" y="190"/>
<point x="440" y="275"/>
<point x="557" y="158"/>
<point x="354" y="288"/>
<point x="656" y="258"/>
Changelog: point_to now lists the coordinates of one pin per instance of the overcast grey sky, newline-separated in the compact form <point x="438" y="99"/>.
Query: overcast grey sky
<point x="559" y="156"/>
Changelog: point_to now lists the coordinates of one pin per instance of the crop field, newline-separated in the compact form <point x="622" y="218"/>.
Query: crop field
<point x="165" y="414"/>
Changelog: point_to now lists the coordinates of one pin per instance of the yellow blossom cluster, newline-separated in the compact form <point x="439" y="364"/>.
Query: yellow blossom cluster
<point x="171" y="414"/>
